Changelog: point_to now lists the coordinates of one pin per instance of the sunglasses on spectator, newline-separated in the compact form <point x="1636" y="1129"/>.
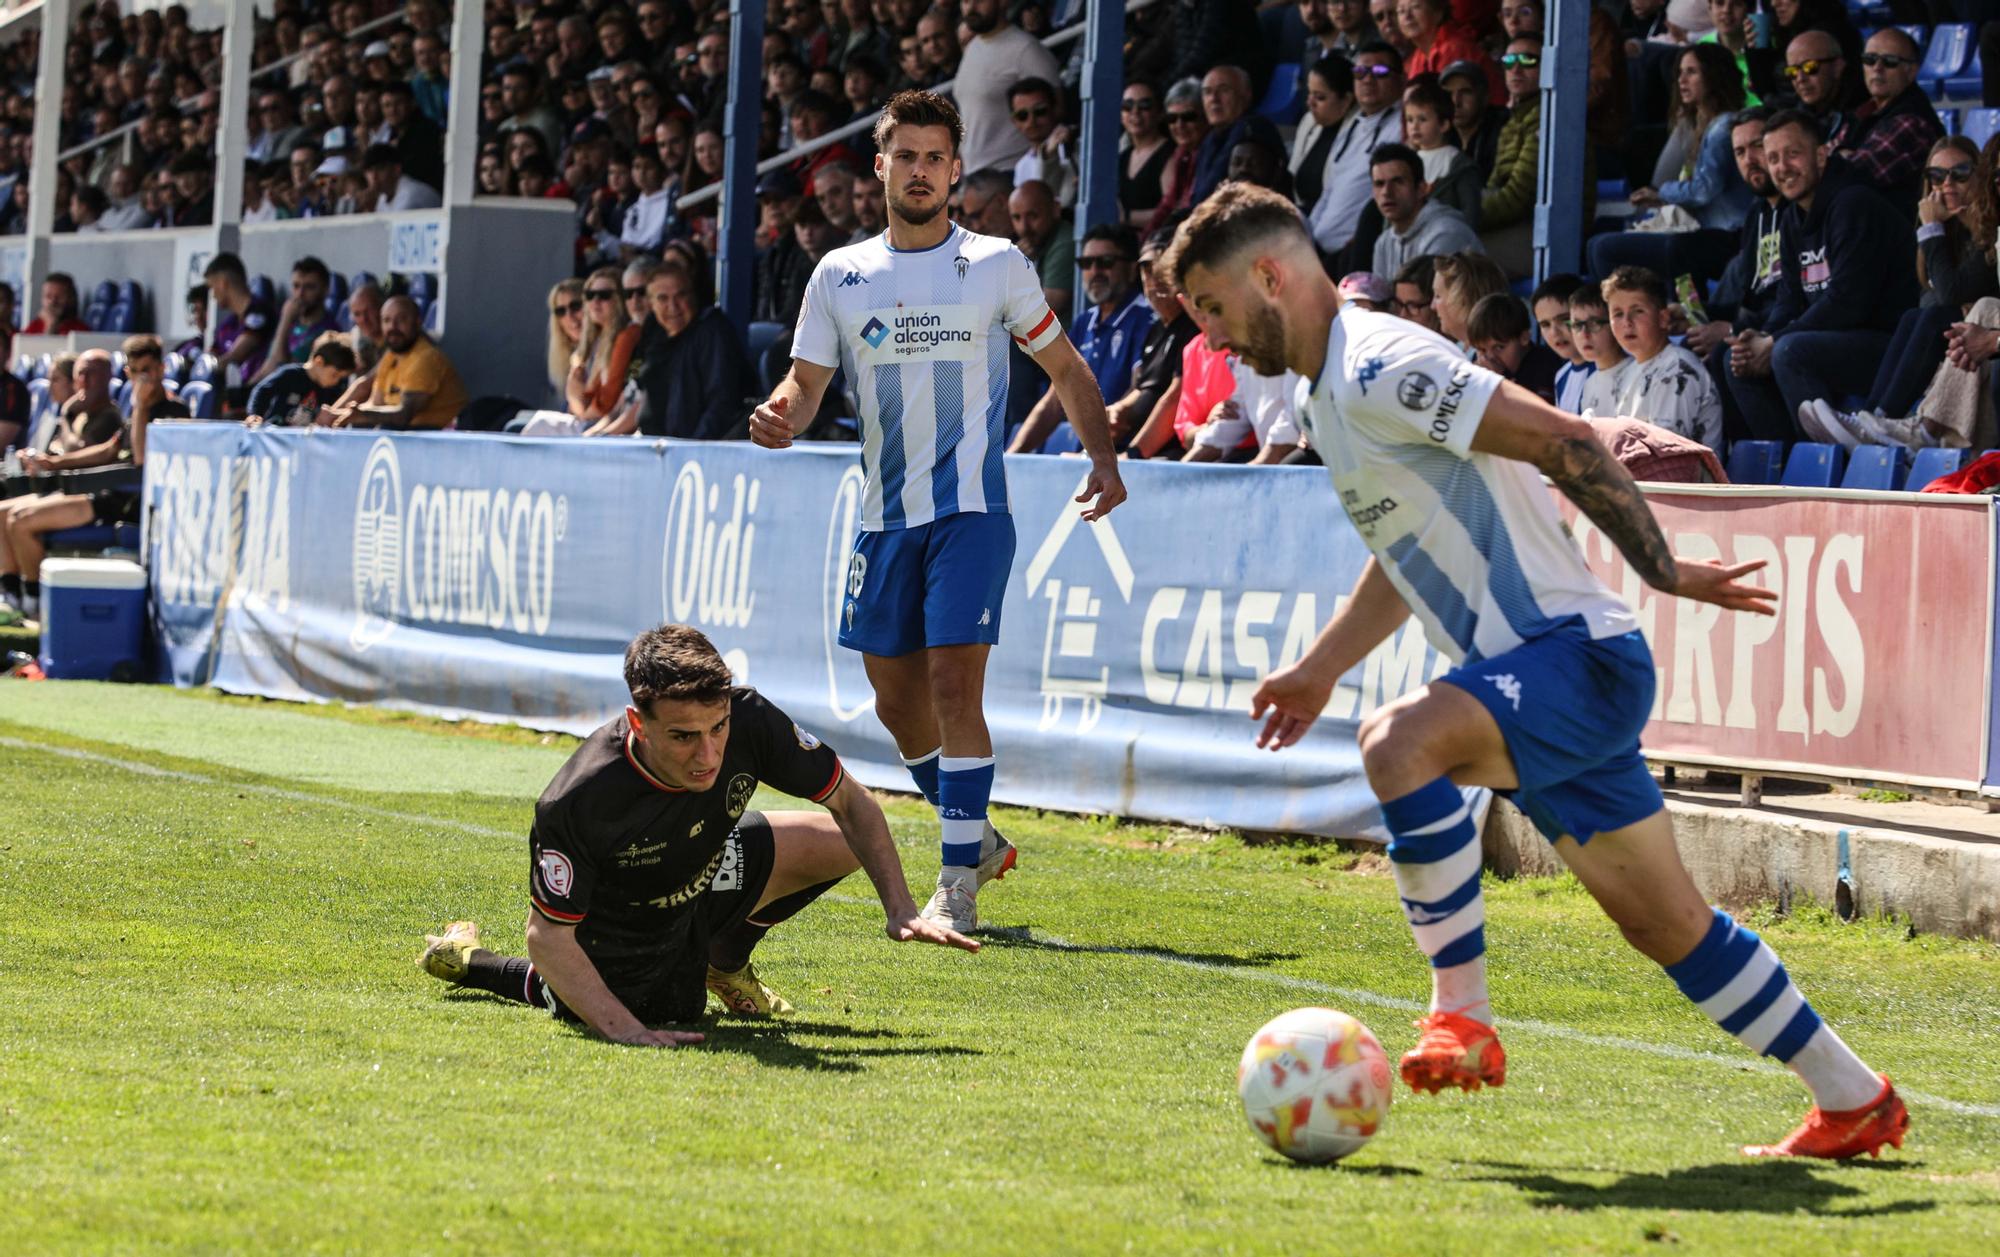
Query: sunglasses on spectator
<point x="567" y="307"/>
<point x="601" y="294"/>
<point x="1887" y="60"/>
<point x="1175" y="119"/>
<point x="1521" y="60"/>
<point x="1589" y="325"/>
<point x="1804" y="68"/>
<point x="1138" y="104"/>
<point x="1099" y="261"/>
<point x="1376" y="68"/>
<point x="1407" y="307"/>
<point x="1038" y="111"/>
<point x="1961" y="173"/>
<point x="633" y="294"/>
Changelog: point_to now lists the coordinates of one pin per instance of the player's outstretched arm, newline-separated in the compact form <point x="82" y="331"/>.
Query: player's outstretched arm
<point x="791" y="406"/>
<point x="1083" y="404"/>
<point x="561" y="961"/>
<point x="867" y="833"/>
<point x="1519" y="425"/>
<point x="1291" y="698"/>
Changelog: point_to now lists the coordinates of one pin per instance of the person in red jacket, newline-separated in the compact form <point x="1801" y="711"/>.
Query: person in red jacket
<point x="58" y="316"/>
<point x="1438" y="41"/>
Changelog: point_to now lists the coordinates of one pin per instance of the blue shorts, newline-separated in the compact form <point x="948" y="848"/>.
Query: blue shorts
<point x="938" y="584"/>
<point x="1571" y="708"/>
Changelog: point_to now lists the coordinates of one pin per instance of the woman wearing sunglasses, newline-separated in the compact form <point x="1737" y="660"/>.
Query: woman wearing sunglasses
<point x="565" y="330"/>
<point x="1148" y="149"/>
<point x="1187" y="126"/>
<point x="604" y="356"/>
<point x="1957" y="221"/>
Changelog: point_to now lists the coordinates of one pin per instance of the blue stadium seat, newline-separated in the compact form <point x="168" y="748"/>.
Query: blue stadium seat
<point x="124" y="318"/>
<point x="759" y="337"/>
<point x="1950" y="48"/>
<point x="201" y="370"/>
<point x="38" y="403"/>
<point x="1755" y="462"/>
<point x="174" y="367"/>
<point x="1612" y="189"/>
<point x="42" y="365"/>
<point x="199" y="398"/>
<point x="264" y="290"/>
<point x="1063" y="440"/>
<point x="336" y="293"/>
<point x="431" y="316"/>
<point x="1950" y="119"/>
<point x="1978" y="125"/>
<point x="105" y="292"/>
<point x="97" y="314"/>
<point x="1285" y="99"/>
<point x="132" y="292"/>
<point x="1929" y="464"/>
<point x="421" y="286"/>
<point x="343" y="318"/>
<point x="1969" y="83"/>
<point x="363" y="277"/>
<point x="117" y="364"/>
<point x="24" y="365"/>
<point x="1877" y="467"/>
<point x="1814" y="466"/>
<point x="121" y="396"/>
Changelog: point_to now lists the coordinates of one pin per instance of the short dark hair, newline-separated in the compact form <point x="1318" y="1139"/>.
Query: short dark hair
<point x="519" y="69"/>
<point x="1555" y="288"/>
<point x="1384" y="154"/>
<point x="1427" y="94"/>
<point x="1588" y="293"/>
<point x="310" y="265"/>
<point x="1639" y="279"/>
<point x="1338" y="72"/>
<point x="197" y="295"/>
<point x="1233" y="217"/>
<point x="227" y="264"/>
<point x="396" y="87"/>
<point x="1799" y="118"/>
<point x="1420" y="272"/>
<point x="93" y="197"/>
<point x="1033" y="85"/>
<point x="675" y="663"/>
<point x="811" y="98"/>
<point x="144" y="345"/>
<point x="1119" y="234"/>
<point x="919" y="109"/>
<point x="335" y="350"/>
<point x="1498" y="316"/>
<point x="192" y="162"/>
<point x="1759" y="114"/>
<point x="1381" y="48"/>
<point x="381" y="157"/>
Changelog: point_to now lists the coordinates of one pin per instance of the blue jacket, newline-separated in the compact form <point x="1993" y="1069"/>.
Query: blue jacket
<point x="1715" y="193"/>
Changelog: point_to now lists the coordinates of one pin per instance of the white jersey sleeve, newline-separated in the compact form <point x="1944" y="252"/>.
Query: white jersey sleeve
<point x="1024" y="311"/>
<point x="816" y="338"/>
<point x="1418" y="386"/>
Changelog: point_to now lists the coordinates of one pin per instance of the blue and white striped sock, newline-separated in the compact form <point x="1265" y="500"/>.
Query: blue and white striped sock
<point x="1435" y="852"/>
<point x="1737" y="979"/>
<point x="924" y="771"/>
<point x="965" y="783"/>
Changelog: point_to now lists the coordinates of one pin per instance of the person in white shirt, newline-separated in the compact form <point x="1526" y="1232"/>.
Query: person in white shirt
<point x="1263" y="406"/>
<point x="1375" y="120"/>
<point x="1666" y="385"/>
<point x="646" y="221"/>
<point x="390" y="188"/>
<point x="127" y="211"/>
<point x="1590" y="329"/>
<point x="1550" y="305"/>
<point x="999" y="56"/>
<point x="1036" y="109"/>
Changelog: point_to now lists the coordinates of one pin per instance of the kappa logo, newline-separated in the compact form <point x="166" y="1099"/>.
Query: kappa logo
<point x="851" y="279"/>
<point x="1416" y="391"/>
<point x="875" y="332"/>
<point x="1510" y="689"/>
<point x="985" y="617"/>
<point x="1370" y="371"/>
<point x="558" y="874"/>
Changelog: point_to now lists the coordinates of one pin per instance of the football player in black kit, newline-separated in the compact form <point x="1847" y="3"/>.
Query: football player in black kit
<point x="650" y="883"/>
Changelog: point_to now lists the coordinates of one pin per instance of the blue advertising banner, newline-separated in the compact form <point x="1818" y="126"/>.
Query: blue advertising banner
<point x="500" y="579"/>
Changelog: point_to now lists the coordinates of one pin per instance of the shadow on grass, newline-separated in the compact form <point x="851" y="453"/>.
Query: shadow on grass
<point x="1343" y="1167"/>
<point x="772" y="1042"/>
<point x="1728" y="1187"/>
<point x="1023" y="936"/>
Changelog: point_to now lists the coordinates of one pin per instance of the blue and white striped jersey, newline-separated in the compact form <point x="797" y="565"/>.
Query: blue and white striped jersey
<point x="1474" y="543"/>
<point x="923" y="338"/>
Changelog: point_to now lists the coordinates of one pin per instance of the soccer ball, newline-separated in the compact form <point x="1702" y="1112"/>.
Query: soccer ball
<point x="1314" y="1084"/>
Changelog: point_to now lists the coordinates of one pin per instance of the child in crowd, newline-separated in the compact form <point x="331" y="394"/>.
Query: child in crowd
<point x="1590" y="329"/>
<point x="1550" y="304"/>
<point x="1454" y="177"/>
<point x="1500" y="332"/>
<point x="1665" y="384"/>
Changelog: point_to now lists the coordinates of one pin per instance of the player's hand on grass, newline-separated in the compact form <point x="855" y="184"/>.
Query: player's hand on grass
<point x="1288" y="701"/>
<point x="1705" y="580"/>
<point x="1106" y="486"/>
<point x="769" y="426"/>
<point x="910" y="928"/>
<point x="644" y="1037"/>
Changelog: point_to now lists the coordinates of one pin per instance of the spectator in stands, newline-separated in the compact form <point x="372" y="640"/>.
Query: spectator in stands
<point x="651" y="216"/>
<point x="566" y="329"/>
<point x="302" y="320"/>
<point x="1347" y="28"/>
<point x="520" y="95"/>
<point x="1155" y="392"/>
<point x="1413" y="223"/>
<point x="277" y="127"/>
<point x="696" y="375"/>
<point x="1590" y="329"/>
<point x="1414" y="292"/>
<point x="1205" y="383"/>
<point x="86" y="207"/>
<point x="1377" y="119"/>
<point x="1256" y="423"/>
<point x="1888" y="136"/>
<point x="833" y="188"/>
<point x="91" y="433"/>
<point x="415" y="386"/>
<point x="1696" y="172"/>
<point x="1042" y="234"/>
<point x="1454" y="178"/>
<point x="1187" y="127"/>
<point x="1382" y="16"/>
<point x="1461" y="281"/>
<point x="1665" y="384"/>
<point x="390" y="189"/>
<point x="1197" y="34"/>
<point x="601" y="365"/>
<point x="1848" y="276"/>
<point x="1368" y="291"/>
<point x="1475" y="123"/>
<point x="1791" y="19"/>
<point x="1260" y="160"/>
<point x="1818" y="74"/>
<point x="1034" y="105"/>
<point x="1329" y="97"/>
<point x="1736" y="33"/>
<point x="195" y="305"/>
<point x="125" y="212"/>
<point x="633" y="286"/>
<point x="418" y="140"/>
<point x="1502" y="338"/>
<point x="1506" y="208"/>
<point x="1225" y="99"/>
<point x="364" y="310"/>
<point x="1437" y="42"/>
<point x="870" y="213"/>
<point x="58" y="316"/>
<point x="1749" y="285"/>
<point x="983" y="203"/>
<point x="429" y="84"/>
<point x="814" y="234"/>
<point x="1955" y="266"/>
<point x="293" y="395"/>
<point x="783" y="268"/>
<point x="999" y="55"/>
<point x="243" y="324"/>
<point x="864" y="83"/>
<point x="1111" y="332"/>
<point x="1549" y="303"/>
<point x="913" y="70"/>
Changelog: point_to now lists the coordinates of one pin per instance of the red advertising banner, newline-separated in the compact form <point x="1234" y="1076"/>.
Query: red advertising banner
<point x="1877" y="665"/>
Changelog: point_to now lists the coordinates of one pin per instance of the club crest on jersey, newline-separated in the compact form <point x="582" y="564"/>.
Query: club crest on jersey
<point x="1416" y="391"/>
<point x="852" y="278"/>
<point x="875" y="332"/>
<point x="807" y="741"/>
<point x="741" y="787"/>
<point x="960" y="262"/>
<point x="557" y="873"/>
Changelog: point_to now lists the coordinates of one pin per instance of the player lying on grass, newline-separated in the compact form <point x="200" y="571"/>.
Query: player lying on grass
<point x="650" y="884"/>
<point x="1439" y="465"/>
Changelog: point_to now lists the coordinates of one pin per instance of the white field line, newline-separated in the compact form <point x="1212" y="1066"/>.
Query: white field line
<point x="1349" y="994"/>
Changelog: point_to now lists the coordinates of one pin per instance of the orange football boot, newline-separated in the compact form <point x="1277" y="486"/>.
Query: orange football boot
<point x="1838" y="1136"/>
<point x="1455" y="1051"/>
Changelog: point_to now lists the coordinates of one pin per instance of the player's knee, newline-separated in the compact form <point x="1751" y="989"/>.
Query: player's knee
<point x="1392" y="753"/>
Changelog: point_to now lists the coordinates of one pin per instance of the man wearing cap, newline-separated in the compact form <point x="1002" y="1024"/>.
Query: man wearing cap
<point x="379" y="62"/>
<point x="389" y="188"/>
<point x="783" y="268"/>
<point x="1475" y="123"/>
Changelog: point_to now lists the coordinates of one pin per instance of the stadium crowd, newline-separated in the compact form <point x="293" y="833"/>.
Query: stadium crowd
<point x="1808" y="255"/>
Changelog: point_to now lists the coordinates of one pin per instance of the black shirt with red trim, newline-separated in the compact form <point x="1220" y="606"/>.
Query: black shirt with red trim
<point x="624" y="857"/>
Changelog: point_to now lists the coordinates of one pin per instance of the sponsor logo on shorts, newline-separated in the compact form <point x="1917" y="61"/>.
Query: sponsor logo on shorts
<point x="558" y="874"/>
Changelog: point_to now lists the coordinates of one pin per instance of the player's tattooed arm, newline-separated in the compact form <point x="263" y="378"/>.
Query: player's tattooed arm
<point x="1600" y="486"/>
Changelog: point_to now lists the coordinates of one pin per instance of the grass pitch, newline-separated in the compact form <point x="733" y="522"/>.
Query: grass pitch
<point x="212" y="1038"/>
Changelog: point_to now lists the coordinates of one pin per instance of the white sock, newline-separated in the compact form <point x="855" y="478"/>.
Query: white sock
<point x="1461" y="989"/>
<point x="1840" y="1080"/>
